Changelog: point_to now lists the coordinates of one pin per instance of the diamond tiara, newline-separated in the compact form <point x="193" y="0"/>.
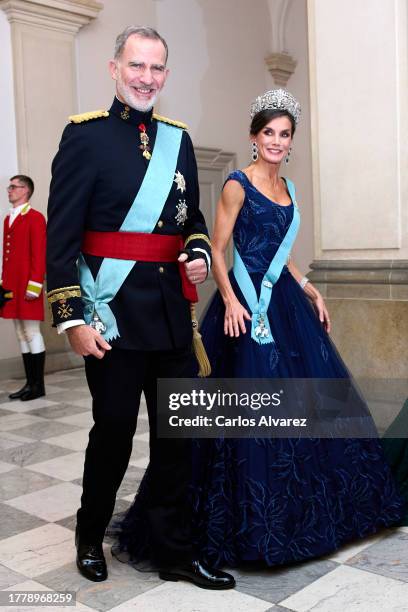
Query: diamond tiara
<point x="276" y="99"/>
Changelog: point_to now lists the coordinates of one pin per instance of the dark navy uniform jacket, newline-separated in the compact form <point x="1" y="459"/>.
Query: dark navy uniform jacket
<point x="96" y="175"/>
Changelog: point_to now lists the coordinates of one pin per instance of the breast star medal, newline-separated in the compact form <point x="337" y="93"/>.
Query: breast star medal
<point x="144" y="139"/>
<point x="181" y="212"/>
<point x="180" y="181"/>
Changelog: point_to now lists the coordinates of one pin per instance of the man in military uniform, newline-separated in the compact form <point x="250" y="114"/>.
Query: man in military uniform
<point x="124" y="201"/>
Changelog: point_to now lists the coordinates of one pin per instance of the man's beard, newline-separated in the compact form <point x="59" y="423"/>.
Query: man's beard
<point x="130" y="99"/>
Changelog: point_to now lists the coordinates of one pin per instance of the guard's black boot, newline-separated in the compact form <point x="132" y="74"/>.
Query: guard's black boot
<point x="199" y="574"/>
<point x="91" y="560"/>
<point x="28" y="368"/>
<point x="36" y="389"/>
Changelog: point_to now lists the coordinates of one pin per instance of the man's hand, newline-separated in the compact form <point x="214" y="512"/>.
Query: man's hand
<point x="85" y="340"/>
<point x="196" y="270"/>
<point x="30" y="297"/>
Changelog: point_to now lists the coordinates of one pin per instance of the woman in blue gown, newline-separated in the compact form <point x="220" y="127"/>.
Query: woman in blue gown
<point x="275" y="501"/>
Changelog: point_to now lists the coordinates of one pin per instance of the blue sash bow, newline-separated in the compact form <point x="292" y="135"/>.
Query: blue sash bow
<point x="142" y="217"/>
<point x="260" y="328"/>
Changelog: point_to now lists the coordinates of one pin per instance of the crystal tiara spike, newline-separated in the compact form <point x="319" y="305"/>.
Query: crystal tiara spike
<point x="276" y="99"/>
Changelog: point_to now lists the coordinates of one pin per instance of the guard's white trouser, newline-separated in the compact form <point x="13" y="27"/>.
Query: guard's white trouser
<point x="29" y="336"/>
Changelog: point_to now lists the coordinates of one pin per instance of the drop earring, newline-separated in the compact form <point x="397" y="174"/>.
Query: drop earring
<point x="287" y="158"/>
<point x="254" y="153"/>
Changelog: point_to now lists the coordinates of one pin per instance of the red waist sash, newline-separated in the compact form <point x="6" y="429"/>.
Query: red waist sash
<point x="139" y="247"/>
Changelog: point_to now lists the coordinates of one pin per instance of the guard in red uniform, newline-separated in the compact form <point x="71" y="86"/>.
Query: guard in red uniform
<point x="24" y="242"/>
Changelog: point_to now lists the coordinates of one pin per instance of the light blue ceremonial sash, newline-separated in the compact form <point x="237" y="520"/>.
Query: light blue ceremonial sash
<point x="142" y="217"/>
<point x="260" y="329"/>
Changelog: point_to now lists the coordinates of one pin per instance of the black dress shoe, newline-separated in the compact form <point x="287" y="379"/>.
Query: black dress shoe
<point x="91" y="562"/>
<point x="199" y="574"/>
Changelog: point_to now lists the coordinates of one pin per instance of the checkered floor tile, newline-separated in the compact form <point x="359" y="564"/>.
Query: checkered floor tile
<point x="42" y="446"/>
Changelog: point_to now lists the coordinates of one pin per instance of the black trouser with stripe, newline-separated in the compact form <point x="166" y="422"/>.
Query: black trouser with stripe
<point x="116" y="383"/>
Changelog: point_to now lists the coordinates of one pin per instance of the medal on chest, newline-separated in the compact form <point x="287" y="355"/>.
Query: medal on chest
<point x="181" y="215"/>
<point x="144" y="140"/>
<point x="180" y="181"/>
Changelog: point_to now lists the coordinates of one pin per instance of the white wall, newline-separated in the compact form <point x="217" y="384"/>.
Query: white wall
<point x="219" y="68"/>
<point x="361" y="128"/>
<point x="300" y="167"/>
<point x="8" y="155"/>
<point x="8" y="148"/>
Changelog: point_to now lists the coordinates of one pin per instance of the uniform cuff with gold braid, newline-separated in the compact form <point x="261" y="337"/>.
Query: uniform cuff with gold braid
<point x="200" y="242"/>
<point x="198" y="237"/>
<point x="65" y="304"/>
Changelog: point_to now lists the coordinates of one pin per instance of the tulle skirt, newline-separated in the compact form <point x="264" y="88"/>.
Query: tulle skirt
<point x="277" y="501"/>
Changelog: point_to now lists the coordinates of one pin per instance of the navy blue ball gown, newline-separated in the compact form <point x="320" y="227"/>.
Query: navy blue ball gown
<point x="396" y="453"/>
<point x="276" y="501"/>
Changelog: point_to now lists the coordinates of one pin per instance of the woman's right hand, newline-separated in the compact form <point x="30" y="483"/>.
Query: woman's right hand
<point x="234" y="320"/>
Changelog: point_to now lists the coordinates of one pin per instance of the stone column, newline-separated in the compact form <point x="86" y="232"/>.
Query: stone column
<point x="359" y="95"/>
<point x="279" y="62"/>
<point x="44" y="71"/>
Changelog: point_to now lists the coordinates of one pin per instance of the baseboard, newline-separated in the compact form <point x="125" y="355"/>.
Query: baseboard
<point x="63" y="360"/>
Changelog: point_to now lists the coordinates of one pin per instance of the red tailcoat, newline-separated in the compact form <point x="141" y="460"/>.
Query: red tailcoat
<point x="24" y="262"/>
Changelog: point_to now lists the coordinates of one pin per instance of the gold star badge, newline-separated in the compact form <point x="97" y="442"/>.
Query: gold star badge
<point x="180" y="181"/>
<point x="125" y="113"/>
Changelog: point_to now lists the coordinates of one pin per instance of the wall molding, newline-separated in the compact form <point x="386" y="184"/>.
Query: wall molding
<point x="361" y="279"/>
<point x="215" y="159"/>
<point x="12" y="367"/>
<point x="60" y="15"/>
<point x="278" y="10"/>
<point x="279" y="62"/>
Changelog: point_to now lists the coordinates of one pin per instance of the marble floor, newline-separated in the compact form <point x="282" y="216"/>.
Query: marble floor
<point x="42" y="446"/>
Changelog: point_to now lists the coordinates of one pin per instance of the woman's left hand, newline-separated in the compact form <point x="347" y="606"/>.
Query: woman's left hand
<point x="322" y="312"/>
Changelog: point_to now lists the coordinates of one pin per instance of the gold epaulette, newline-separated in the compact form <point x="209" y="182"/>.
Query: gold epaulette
<point x="97" y="114"/>
<point x="179" y="124"/>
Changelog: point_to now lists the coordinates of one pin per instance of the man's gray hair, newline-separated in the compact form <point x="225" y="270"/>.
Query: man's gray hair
<point x="143" y="32"/>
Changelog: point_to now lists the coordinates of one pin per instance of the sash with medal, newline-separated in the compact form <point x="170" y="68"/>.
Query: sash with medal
<point x="260" y="328"/>
<point x="142" y="217"/>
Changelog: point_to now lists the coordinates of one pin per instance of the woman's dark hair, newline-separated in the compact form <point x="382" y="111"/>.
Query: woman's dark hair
<point x="265" y="116"/>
